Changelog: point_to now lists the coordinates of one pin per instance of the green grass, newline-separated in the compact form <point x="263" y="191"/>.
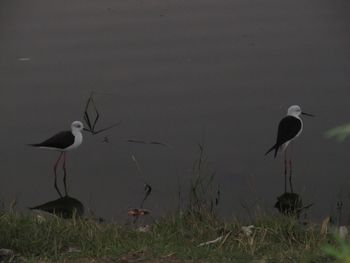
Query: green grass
<point x="273" y="239"/>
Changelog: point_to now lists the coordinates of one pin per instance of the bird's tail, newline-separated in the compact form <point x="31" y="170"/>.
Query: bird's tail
<point x="271" y="149"/>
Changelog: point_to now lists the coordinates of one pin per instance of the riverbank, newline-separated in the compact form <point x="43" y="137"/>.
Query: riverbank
<point x="176" y="238"/>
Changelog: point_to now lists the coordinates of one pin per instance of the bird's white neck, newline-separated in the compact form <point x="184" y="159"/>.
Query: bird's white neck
<point x="295" y="115"/>
<point x="76" y="132"/>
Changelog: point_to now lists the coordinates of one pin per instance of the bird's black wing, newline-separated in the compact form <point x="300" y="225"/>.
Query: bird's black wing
<point x="60" y="140"/>
<point x="288" y="128"/>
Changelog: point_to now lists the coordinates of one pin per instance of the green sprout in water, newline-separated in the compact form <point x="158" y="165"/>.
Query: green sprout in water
<point x="339" y="133"/>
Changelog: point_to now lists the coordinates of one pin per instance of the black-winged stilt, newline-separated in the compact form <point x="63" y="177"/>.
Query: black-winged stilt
<point x="289" y="128"/>
<point x="63" y="141"/>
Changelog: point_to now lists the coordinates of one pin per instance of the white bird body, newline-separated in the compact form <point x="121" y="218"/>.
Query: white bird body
<point x="77" y="141"/>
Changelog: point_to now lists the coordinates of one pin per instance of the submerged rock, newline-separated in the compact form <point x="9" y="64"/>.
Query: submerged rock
<point x="65" y="207"/>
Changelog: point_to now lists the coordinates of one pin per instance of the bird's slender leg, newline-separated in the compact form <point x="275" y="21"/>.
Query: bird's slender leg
<point x="55" y="171"/>
<point x="65" y="174"/>
<point x="285" y="171"/>
<point x="290" y="169"/>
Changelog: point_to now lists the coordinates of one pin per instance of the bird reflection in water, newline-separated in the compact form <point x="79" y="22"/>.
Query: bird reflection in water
<point x="65" y="207"/>
<point x="291" y="204"/>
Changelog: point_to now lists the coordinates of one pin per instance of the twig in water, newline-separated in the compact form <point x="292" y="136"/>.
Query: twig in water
<point x="202" y="195"/>
<point x="147" y="187"/>
<point x="137" y="164"/>
<point x="218" y="195"/>
<point x="148" y="191"/>
<point x="148" y="142"/>
<point x="339" y="212"/>
<point x="91" y="123"/>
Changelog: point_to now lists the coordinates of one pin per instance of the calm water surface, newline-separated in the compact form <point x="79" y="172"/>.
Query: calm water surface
<point x="180" y="72"/>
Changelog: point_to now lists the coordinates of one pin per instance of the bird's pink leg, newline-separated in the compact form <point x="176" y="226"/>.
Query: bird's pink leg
<point x="285" y="170"/>
<point x="65" y="174"/>
<point x="290" y="169"/>
<point x="55" y="171"/>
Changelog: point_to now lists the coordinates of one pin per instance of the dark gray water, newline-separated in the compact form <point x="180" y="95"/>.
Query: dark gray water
<point x="181" y="72"/>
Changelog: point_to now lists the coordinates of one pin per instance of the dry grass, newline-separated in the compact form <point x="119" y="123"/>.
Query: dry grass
<point x="171" y="239"/>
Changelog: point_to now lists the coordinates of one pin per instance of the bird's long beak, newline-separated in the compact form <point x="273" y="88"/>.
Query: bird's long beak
<point x="85" y="129"/>
<point x="308" y="114"/>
